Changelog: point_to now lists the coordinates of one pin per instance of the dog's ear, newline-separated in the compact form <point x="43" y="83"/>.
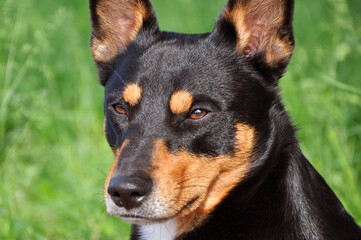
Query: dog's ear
<point x="115" y="25"/>
<point x="261" y="30"/>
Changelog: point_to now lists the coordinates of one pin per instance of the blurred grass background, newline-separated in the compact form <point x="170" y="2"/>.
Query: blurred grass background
<point x="53" y="155"/>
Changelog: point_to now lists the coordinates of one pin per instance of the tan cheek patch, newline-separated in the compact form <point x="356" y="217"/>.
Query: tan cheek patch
<point x="182" y="177"/>
<point x="132" y="94"/>
<point x="180" y="102"/>
<point x="113" y="169"/>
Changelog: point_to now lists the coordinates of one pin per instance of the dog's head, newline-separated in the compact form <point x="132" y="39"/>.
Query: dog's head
<point x="183" y="113"/>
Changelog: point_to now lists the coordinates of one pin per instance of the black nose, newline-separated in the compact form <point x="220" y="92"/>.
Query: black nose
<point x="129" y="191"/>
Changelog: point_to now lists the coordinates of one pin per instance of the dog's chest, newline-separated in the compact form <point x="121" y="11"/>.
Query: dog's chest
<point x="161" y="231"/>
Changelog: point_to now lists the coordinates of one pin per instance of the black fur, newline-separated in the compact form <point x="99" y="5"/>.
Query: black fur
<point x="283" y="197"/>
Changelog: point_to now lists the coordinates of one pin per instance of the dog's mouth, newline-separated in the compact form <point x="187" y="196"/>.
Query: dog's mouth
<point x="146" y="217"/>
<point x="142" y="220"/>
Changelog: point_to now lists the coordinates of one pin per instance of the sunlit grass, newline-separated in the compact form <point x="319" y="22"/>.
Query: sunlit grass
<point x="52" y="150"/>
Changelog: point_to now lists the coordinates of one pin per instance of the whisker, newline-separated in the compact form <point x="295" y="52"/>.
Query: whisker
<point x="197" y="177"/>
<point x="121" y="79"/>
<point x="192" y="186"/>
<point x="167" y="229"/>
<point x="224" y="183"/>
<point x="182" y="177"/>
<point x="97" y="169"/>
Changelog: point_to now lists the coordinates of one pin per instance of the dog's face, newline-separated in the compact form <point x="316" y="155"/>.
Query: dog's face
<point x="183" y="112"/>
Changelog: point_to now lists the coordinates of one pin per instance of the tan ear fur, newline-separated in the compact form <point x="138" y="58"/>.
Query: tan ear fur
<point x="116" y="26"/>
<point x="260" y="27"/>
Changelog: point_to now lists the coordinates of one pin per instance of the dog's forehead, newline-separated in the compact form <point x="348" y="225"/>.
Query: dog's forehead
<point x="169" y="66"/>
<point x="177" y="57"/>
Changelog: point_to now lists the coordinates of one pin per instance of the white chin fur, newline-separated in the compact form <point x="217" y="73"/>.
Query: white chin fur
<point x="148" y="230"/>
<point x="159" y="231"/>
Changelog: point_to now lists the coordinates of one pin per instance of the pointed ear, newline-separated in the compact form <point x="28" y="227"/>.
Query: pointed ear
<point x="115" y="25"/>
<point x="261" y="30"/>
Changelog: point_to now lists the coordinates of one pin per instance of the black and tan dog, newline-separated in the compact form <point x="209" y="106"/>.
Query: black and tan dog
<point x="203" y="147"/>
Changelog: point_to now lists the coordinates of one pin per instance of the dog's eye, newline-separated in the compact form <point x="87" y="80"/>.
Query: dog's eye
<point x="198" y="113"/>
<point x="119" y="109"/>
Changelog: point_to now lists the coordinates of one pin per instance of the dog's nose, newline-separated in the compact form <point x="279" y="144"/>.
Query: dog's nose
<point x="129" y="191"/>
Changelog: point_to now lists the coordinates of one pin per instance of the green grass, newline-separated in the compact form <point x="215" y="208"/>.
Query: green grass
<point x="53" y="155"/>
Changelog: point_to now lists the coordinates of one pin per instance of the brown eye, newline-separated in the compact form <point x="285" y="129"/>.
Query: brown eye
<point x="119" y="109"/>
<point x="198" y="113"/>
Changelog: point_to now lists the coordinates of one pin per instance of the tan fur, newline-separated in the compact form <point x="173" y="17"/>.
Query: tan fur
<point x="120" y="21"/>
<point x="258" y="23"/>
<point x="132" y="94"/>
<point x="113" y="169"/>
<point x="181" y="177"/>
<point x="180" y="102"/>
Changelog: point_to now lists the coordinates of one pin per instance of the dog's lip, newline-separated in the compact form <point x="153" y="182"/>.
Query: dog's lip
<point x="161" y="219"/>
<point x="148" y="219"/>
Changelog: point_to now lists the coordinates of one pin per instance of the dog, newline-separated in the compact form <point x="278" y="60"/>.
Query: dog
<point x="203" y="147"/>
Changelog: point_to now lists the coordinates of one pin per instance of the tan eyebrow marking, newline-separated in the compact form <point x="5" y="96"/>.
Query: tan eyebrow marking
<point x="180" y="102"/>
<point x="132" y="94"/>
